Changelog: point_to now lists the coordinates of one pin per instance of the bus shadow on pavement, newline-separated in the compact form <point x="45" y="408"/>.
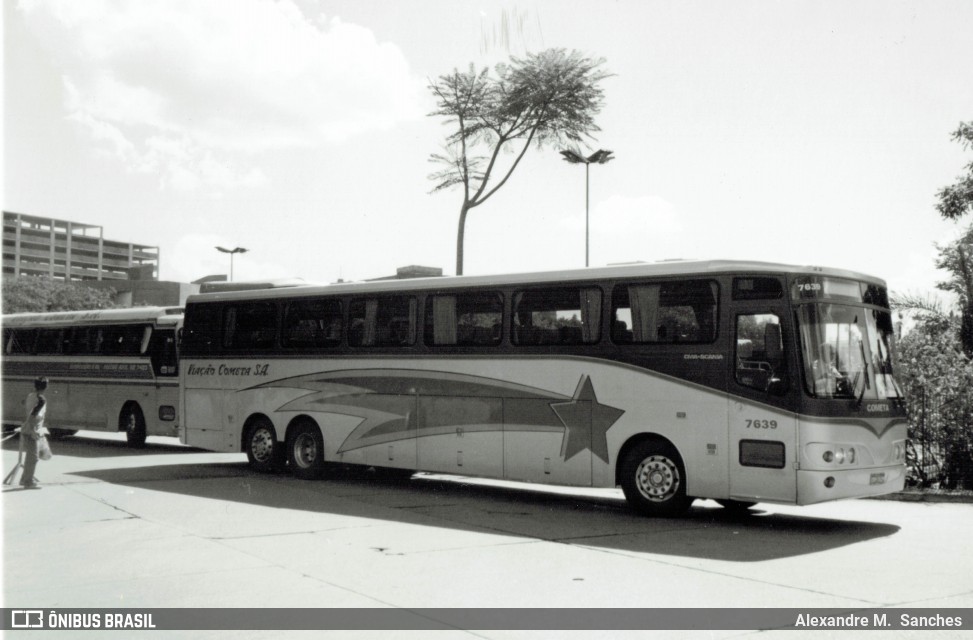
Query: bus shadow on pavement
<point x="81" y="446"/>
<point x="705" y="532"/>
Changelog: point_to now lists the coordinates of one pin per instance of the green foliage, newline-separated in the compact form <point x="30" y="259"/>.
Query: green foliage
<point x="548" y="98"/>
<point x="957" y="259"/>
<point x="956" y="199"/>
<point x="935" y="360"/>
<point x="39" y="294"/>
<point x="937" y="378"/>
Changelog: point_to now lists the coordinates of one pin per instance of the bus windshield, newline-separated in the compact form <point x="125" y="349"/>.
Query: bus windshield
<point x="847" y="352"/>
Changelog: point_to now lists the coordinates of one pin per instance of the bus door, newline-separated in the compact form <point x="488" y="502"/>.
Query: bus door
<point x="162" y="353"/>
<point x="762" y="427"/>
<point x="165" y="370"/>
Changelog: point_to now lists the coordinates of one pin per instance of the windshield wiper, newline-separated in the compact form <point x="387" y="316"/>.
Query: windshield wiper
<point x="867" y="385"/>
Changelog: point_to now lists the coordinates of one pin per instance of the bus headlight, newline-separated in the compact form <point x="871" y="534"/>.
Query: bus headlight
<point x="838" y="455"/>
<point x="898" y="450"/>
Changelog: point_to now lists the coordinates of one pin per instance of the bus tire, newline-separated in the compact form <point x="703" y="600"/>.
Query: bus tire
<point x="263" y="449"/>
<point x="132" y="422"/>
<point x="653" y="479"/>
<point x="305" y="450"/>
<point x="57" y="434"/>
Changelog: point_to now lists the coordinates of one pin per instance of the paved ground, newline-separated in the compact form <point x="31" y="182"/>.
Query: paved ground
<point x="168" y="526"/>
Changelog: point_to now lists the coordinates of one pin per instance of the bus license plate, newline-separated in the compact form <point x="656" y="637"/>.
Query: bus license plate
<point x="877" y="478"/>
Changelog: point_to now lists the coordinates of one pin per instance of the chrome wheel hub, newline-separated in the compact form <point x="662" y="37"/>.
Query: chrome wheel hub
<point x="261" y="445"/>
<point x="305" y="450"/>
<point x="657" y="478"/>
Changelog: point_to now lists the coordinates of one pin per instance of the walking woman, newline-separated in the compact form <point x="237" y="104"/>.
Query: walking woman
<point x="36" y="409"/>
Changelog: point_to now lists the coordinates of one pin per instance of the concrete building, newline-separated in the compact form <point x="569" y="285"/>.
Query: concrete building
<point x="412" y="271"/>
<point x="66" y="250"/>
<point x="78" y="252"/>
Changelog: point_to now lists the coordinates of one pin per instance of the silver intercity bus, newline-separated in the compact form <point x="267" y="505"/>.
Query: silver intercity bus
<point x="112" y="370"/>
<point x="736" y="381"/>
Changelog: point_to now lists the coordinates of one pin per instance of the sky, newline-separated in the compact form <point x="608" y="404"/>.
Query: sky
<point x="804" y="132"/>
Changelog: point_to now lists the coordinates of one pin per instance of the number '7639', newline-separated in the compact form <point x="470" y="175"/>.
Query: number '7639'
<point x="761" y="424"/>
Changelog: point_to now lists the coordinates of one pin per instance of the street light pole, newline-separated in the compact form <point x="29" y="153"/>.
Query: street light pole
<point x="598" y="157"/>
<point x="233" y="251"/>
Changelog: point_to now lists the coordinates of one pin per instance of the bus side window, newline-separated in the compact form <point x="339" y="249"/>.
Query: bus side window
<point x="203" y="334"/>
<point x="250" y="326"/>
<point x="48" y="341"/>
<point x="388" y="321"/>
<point x="19" y="341"/>
<point x="562" y="316"/>
<point x="760" y="353"/>
<point x="312" y="324"/>
<point x="146" y="336"/>
<point x="682" y="311"/>
<point x="468" y="319"/>
<point x="123" y="340"/>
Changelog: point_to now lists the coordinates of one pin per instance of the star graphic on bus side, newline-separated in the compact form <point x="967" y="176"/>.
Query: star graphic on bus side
<point x="580" y="413"/>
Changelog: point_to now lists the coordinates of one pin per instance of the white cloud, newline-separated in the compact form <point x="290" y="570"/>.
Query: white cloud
<point x="177" y="87"/>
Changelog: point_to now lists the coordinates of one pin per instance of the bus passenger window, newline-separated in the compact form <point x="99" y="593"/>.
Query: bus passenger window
<point x="250" y="325"/>
<point x="312" y="323"/>
<point x="665" y="312"/>
<point x="760" y="353"/>
<point x="388" y="321"/>
<point x="123" y="340"/>
<point x="757" y="288"/>
<point x="564" y="316"/>
<point x="48" y="341"/>
<point x="20" y="340"/>
<point x="472" y="319"/>
<point x="201" y="336"/>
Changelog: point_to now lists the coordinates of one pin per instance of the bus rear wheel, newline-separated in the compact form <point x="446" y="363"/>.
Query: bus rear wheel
<point x="132" y="422"/>
<point x="654" y="479"/>
<point x="263" y="450"/>
<point x="305" y="451"/>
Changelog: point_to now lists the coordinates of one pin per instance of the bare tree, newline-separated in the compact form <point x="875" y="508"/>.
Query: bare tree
<point x="550" y="97"/>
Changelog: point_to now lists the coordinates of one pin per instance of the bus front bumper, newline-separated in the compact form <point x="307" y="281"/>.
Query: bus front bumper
<point x="835" y="484"/>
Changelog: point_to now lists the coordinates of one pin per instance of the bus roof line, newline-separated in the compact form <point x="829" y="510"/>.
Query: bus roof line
<point x="164" y="315"/>
<point x="645" y="269"/>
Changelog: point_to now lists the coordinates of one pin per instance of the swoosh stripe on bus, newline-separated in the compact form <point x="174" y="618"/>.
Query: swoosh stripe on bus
<point x="386" y="402"/>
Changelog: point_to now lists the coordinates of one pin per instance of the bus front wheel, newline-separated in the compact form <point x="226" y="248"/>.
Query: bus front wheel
<point x="132" y="422"/>
<point x="654" y="479"/>
<point x="263" y="450"/>
<point x="305" y="451"/>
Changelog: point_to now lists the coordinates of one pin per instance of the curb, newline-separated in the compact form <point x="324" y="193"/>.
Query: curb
<point x="928" y="496"/>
